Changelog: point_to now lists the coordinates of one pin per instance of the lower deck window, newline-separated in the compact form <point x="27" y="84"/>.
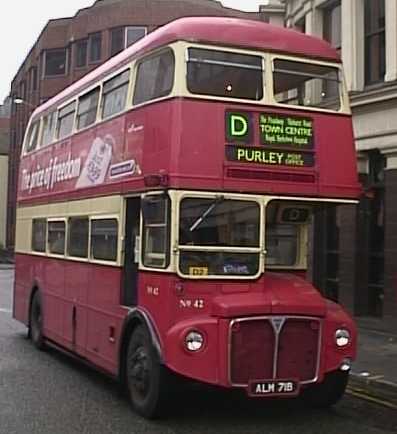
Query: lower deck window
<point x="78" y="237"/>
<point x="56" y="237"/>
<point x="39" y="230"/>
<point x="104" y="234"/>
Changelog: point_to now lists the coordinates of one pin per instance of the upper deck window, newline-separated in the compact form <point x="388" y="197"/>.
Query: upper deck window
<point x="65" y="120"/>
<point x="225" y="74"/>
<point x="33" y="137"/>
<point x="155" y="77"/>
<point x="48" y="128"/>
<point x="115" y="94"/>
<point x="305" y="84"/>
<point x="88" y="106"/>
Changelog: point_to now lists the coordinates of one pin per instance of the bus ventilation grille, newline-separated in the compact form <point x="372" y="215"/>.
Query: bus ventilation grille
<point x="274" y="348"/>
<point x="270" y="176"/>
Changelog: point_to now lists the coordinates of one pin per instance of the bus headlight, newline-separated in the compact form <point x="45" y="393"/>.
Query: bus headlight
<point x="194" y="341"/>
<point x="342" y="337"/>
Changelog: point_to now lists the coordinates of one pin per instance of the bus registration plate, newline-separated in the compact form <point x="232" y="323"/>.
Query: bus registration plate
<point x="273" y="388"/>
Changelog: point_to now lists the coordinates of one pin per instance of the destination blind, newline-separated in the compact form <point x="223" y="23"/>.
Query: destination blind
<point x="285" y="140"/>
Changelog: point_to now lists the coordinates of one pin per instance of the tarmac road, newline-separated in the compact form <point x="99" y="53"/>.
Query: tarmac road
<point x="48" y="392"/>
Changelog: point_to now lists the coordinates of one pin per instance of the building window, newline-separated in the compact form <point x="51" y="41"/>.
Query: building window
<point x="133" y="34"/>
<point x="95" y="44"/>
<point x="55" y="62"/>
<point x="123" y="37"/>
<point x="375" y="57"/>
<point x="300" y="25"/>
<point x="81" y="53"/>
<point x="333" y="34"/>
<point x="33" y="78"/>
<point x="332" y="25"/>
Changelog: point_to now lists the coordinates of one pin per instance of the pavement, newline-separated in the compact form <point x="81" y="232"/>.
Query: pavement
<point x="374" y="373"/>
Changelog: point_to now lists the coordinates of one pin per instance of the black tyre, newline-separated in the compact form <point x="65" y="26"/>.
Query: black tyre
<point x="147" y="380"/>
<point x="36" y="322"/>
<point x="329" y="392"/>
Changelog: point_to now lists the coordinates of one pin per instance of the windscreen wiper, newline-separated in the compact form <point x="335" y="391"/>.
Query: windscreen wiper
<point x="214" y="204"/>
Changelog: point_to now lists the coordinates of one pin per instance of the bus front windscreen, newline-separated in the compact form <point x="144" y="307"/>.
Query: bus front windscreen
<point x="219" y="237"/>
<point x="306" y="84"/>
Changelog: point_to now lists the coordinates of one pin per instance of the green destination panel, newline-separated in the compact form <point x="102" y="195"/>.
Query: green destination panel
<point x="239" y="127"/>
<point x="286" y="131"/>
<point x="275" y="157"/>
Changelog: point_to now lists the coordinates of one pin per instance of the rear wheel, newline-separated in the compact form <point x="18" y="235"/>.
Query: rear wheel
<point x="329" y="392"/>
<point x="36" y="322"/>
<point x="147" y="380"/>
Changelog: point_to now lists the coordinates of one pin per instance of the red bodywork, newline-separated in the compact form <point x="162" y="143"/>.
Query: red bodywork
<point x="183" y="140"/>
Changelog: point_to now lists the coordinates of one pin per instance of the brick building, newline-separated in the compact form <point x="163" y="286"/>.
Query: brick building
<point x="357" y="255"/>
<point x="68" y="48"/>
<point x="4" y="141"/>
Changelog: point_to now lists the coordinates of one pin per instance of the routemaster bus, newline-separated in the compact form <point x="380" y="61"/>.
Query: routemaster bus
<point x="165" y="209"/>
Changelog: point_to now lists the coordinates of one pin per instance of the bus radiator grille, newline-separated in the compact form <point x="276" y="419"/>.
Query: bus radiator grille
<point x="274" y="348"/>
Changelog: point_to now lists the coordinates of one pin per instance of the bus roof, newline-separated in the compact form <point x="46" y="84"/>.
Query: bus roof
<point x="211" y="30"/>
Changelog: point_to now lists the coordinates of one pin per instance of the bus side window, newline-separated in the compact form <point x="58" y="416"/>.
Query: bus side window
<point x="65" y="120"/>
<point x="104" y="237"/>
<point x="115" y="94"/>
<point x="87" y="110"/>
<point x="39" y="232"/>
<point x="78" y="237"/>
<point x="155" y="77"/>
<point x="33" y="137"/>
<point x="56" y="237"/>
<point x="48" y="129"/>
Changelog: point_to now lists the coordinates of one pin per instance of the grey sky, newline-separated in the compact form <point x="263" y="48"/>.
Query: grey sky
<point x="21" y="22"/>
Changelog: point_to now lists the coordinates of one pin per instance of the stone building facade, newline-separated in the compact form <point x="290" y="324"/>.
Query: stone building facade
<point x="69" y="48"/>
<point x="358" y="263"/>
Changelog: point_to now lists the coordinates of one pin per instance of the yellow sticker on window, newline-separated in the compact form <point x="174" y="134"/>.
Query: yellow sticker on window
<point x="198" y="271"/>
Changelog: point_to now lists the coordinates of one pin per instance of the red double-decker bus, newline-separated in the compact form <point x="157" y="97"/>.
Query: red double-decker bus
<point x="165" y="210"/>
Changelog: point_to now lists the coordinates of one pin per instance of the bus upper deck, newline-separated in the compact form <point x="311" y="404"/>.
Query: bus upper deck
<point x="265" y="122"/>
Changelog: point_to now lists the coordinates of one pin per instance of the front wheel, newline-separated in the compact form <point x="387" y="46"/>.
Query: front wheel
<point x="147" y="379"/>
<point x="36" y="322"/>
<point x="329" y="392"/>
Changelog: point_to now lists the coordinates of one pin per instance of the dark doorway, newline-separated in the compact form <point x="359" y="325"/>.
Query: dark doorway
<point x="129" y="296"/>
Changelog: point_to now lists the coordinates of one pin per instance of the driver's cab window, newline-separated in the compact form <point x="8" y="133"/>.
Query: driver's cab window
<point x="156" y="215"/>
<point x="286" y="235"/>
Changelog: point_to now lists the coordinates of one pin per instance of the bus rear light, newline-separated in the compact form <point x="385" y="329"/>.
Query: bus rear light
<point x="160" y="180"/>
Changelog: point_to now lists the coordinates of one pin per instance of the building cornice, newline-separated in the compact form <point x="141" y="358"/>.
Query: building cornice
<point x="374" y="95"/>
